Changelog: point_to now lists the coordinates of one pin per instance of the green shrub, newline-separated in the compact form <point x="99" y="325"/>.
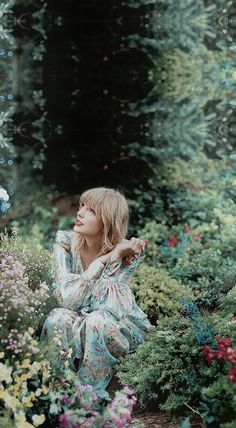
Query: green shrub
<point x="218" y="405"/>
<point x="228" y="302"/>
<point x="169" y="368"/>
<point x="157" y="293"/>
<point x="209" y="272"/>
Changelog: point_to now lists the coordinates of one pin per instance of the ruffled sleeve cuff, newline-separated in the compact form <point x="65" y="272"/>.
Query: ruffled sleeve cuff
<point x="94" y="270"/>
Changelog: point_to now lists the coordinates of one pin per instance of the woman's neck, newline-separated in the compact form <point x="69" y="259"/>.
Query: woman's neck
<point x="89" y="252"/>
<point x="92" y="246"/>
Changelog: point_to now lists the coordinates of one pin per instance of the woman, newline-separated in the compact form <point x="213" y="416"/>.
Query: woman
<point x="98" y="318"/>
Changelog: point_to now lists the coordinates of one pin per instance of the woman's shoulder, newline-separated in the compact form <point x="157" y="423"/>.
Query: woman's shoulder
<point x="64" y="238"/>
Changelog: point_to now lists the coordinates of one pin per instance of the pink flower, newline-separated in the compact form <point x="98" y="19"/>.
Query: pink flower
<point x="66" y="399"/>
<point x="232" y="355"/>
<point x="232" y="375"/>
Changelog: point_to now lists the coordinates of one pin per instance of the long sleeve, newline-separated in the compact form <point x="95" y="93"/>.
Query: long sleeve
<point x="73" y="290"/>
<point x="113" y="293"/>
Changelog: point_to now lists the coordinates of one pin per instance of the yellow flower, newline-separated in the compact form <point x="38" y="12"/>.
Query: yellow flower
<point x="46" y="375"/>
<point x="30" y="330"/>
<point x="234" y="75"/>
<point x="21" y="420"/>
<point x="38" y="419"/>
<point x="3" y="394"/>
<point x="15" y="388"/>
<point x="10" y="401"/>
<point x="45" y="389"/>
<point x="26" y="363"/>
<point x="5" y="373"/>
<point x="18" y="380"/>
<point x="34" y="342"/>
<point x="36" y="366"/>
<point x="2" y="355"/>
<point x="26" y="401"/>
<point x="66" y="364"/>
<point x="26" y="376"/>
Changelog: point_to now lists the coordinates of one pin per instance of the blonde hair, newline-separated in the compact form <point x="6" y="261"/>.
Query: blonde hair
<point x="111" y="207"/>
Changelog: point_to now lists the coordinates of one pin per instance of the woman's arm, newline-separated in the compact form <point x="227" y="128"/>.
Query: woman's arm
<point x="72" y="290"/>
<point x="123" y="260"/>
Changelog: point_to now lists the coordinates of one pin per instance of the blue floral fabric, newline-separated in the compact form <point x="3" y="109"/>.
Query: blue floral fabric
<point x="98" y="318"/>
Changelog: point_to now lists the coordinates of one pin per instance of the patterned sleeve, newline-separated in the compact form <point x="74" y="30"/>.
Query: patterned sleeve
<point x="73" y="291"/>
<point x="112" y="291"/>
<point x="125" y="271"/>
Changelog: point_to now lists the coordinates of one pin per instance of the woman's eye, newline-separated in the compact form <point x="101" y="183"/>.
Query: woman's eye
<point x="92" y="211"/>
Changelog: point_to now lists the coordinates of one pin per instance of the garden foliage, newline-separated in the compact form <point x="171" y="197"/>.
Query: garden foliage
<point x="157" y="293"/>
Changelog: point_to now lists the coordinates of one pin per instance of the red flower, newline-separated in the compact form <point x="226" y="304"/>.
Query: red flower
<point x="225" y="352"/>
<point x="209" y="354"/>
<point x="173" y="241"/>
<point x="223" y="343"/>
<point x="232" y="375"/>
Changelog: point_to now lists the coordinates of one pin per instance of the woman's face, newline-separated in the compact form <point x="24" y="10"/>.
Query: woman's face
<point x="87" y="222"/>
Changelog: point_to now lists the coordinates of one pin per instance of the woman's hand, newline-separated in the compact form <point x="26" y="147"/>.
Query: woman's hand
<point x="125" y="252"/>
<point x="130" y="249"/>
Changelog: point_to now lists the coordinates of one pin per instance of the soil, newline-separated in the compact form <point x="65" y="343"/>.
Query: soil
<point x="149" y="418"/>
<point x="152" y="420"/>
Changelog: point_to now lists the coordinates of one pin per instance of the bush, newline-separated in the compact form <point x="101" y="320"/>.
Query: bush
<point x="31" y="254"/>
<point x="157" y="293"/>
<point x="209" y="272"/>
<point x="169" y="368"/>
<point x="20" y="306"/>
<point x="218" y="406"/>
<point x="33" y="393"/>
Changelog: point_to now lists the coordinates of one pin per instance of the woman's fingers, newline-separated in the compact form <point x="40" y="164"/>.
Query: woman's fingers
<point x="138" y="244"/>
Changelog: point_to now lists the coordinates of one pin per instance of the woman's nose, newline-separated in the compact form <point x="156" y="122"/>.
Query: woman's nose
<point x="80" y="212"/>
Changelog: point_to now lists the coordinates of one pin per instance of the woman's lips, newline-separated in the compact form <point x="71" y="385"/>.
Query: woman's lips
<point x="78" y="223"/>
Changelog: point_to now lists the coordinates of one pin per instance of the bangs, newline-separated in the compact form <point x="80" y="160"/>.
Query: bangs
<point x="93" y="199"/>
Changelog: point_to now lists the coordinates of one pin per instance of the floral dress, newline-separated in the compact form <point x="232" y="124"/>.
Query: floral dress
<point x="98" y="318"/>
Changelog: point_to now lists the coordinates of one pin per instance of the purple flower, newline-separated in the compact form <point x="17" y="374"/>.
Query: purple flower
<point x="66" y="399"/>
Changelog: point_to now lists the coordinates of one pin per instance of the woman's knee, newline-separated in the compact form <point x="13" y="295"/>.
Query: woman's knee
<point x="95" y="319"/>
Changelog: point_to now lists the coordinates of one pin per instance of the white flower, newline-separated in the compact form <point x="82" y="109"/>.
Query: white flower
<point x="5" y="373"/>
<point x="3" y="194"/>
<point x="53" y="409"/>
<point x="38" y="419"/>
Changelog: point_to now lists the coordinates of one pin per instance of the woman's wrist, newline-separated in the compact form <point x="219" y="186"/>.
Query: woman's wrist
<point x="115" y="255"/>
